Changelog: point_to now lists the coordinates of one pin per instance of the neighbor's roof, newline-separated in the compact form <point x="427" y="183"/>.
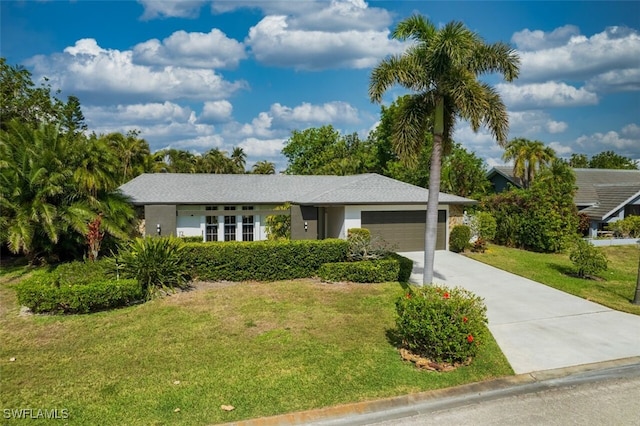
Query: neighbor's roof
<point x="601" y="191"/>
<point x="179" y="188"/>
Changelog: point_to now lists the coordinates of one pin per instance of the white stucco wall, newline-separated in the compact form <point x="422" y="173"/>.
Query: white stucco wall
<point x="335" y="222"/>
<point x="191" y="226"/>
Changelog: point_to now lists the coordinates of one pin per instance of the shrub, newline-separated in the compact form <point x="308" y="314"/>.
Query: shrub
<point x="80" y="273"/>
<point x="392" y="268"/>
<point x="262" y="260"/>
<point x="363" y="247"/>
<point x="278" y="227"/>
<point x="157" y="263"/>
<point x="483" y="227"/>
<point x="42" y="294"/>
<point x="629" y="227"/>
<point x="459" y="238"/>
<point x="364" y="271"/>
<point x="587" y="259"/>
<point x="441" y="324"/>
<point x="192" y="239"/>
<point x="363" y="233"/>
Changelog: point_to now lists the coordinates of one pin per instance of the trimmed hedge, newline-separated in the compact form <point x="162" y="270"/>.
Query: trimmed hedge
<point x="391" y="268"/>
<point x="262" y="260"/>
<point x="41" y="293"/>
<point x="459" y="238"/>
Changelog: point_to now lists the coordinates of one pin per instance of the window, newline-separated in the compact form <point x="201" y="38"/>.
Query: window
<point x="631" y="210"/>
<point x="229" y="225"/>
<point x="247" y="225"/>
<point x="211" y="225"/>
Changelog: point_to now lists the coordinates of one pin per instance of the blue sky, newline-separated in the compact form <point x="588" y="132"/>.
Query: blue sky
<point x="200" y="74"/>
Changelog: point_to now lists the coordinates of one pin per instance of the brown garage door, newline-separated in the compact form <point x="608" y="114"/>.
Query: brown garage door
<point x="404" y="230"/>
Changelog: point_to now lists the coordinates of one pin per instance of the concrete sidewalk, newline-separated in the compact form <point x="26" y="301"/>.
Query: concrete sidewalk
<point x="537" y="327"/>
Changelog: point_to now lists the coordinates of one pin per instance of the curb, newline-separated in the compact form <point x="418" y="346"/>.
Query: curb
<point x="407" y="405"/>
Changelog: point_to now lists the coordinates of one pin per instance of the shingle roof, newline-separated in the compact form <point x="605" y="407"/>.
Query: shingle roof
<point x="602" y="191"/>
<point x="611" y="198"/>
<point x="177" y="188"/>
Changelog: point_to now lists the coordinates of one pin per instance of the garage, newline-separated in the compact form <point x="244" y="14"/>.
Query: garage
<point x="404" y="230"/>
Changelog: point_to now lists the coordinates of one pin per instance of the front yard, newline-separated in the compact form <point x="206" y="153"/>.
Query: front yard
<point x="614" y="288"/>
<point x="264" y="348"/>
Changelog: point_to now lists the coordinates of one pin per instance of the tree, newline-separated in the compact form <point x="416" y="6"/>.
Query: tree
<point x="51" y="187"/>
<point x="579" y="161"/>
<point x="442" y="68"/>
<point x="132" y="152"/>
<point x="20" y="99"/>
<point x="239" y="159"/>
<point x="263" y="167"/>
<point x="324" y="151"/>
<point x="528" y="158"/>
<point x="464" y="174"/>
<point x="611" y="160"/>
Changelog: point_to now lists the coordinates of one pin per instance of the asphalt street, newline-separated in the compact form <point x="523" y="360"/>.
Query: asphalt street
<point x="600" y="397"/>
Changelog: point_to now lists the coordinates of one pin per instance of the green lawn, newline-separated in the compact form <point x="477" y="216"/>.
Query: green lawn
<point x="265" y="348"/>
<point x="614" y="289"/>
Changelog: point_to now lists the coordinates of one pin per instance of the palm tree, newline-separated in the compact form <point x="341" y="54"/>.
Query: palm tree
<point x="264" y="167"/>
<point x="528" y="158"/>
<point x="133" y="153"/>
<point x="239" y="159"/>
<point x="46" y="204"/>
<point x="442" y="67"/>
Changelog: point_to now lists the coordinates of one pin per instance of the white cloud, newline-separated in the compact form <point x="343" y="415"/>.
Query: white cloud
<point x="98" y="75"/>
<point x="171" y="8"/>
<point x="194" y="50"/>
<point x="531" y="123"/>
<point x="616" y="81"/>
<point x="261" y="148"/>
<point x="273" y="42"/>
<point x="549" y="94"/>
<point x="336" y="15"/>
<point x="331" y="112"/>
<point x="626" y="142"/>
<point x="259" y="126"/>
<point x="138" y="113"/>
<point x="560" y="149"/>
<point x="579" y="57"/>
<point x="216" y="111"/>
<point x="527" y="40"/>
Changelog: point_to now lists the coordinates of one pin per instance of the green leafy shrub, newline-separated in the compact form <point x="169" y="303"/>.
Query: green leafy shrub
<point x="192" y="239"/>
<point x="364" y="247"/>
<point x="157" y="263"/>
<point x="587" y="259"/>
<point x="629" y="227"/>
<point x="79" y="273"/>
<point x="278" y="226"/>
<point x="441" y="324"/>
<point x="483" y="227"/>
<point x="262" y="260"/>
<point x="364" y="233"/>
<point x="392" y="268"/>
<point x="459" y="238"/>
<point x="363" y="271"/>
<point x="43" y="294"/>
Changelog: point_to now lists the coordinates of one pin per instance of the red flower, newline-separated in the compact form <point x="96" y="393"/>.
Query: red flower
<point x="408" y="295"/>
<point x="446" y="295"/>
<point x="465" y="319"/>
<point x="470" y="338"/>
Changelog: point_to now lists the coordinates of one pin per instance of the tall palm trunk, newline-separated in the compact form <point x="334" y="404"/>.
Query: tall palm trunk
<point x="431" y="233"/>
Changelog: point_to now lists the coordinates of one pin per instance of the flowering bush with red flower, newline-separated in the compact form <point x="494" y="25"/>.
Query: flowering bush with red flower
<point x="441" y="324"/>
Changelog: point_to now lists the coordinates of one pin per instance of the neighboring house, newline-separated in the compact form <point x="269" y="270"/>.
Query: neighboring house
<point x="233" y="207"/>
<point x="604" y="195"/>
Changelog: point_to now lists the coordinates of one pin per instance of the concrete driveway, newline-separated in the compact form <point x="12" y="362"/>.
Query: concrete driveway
<point x="537" y="327"/>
